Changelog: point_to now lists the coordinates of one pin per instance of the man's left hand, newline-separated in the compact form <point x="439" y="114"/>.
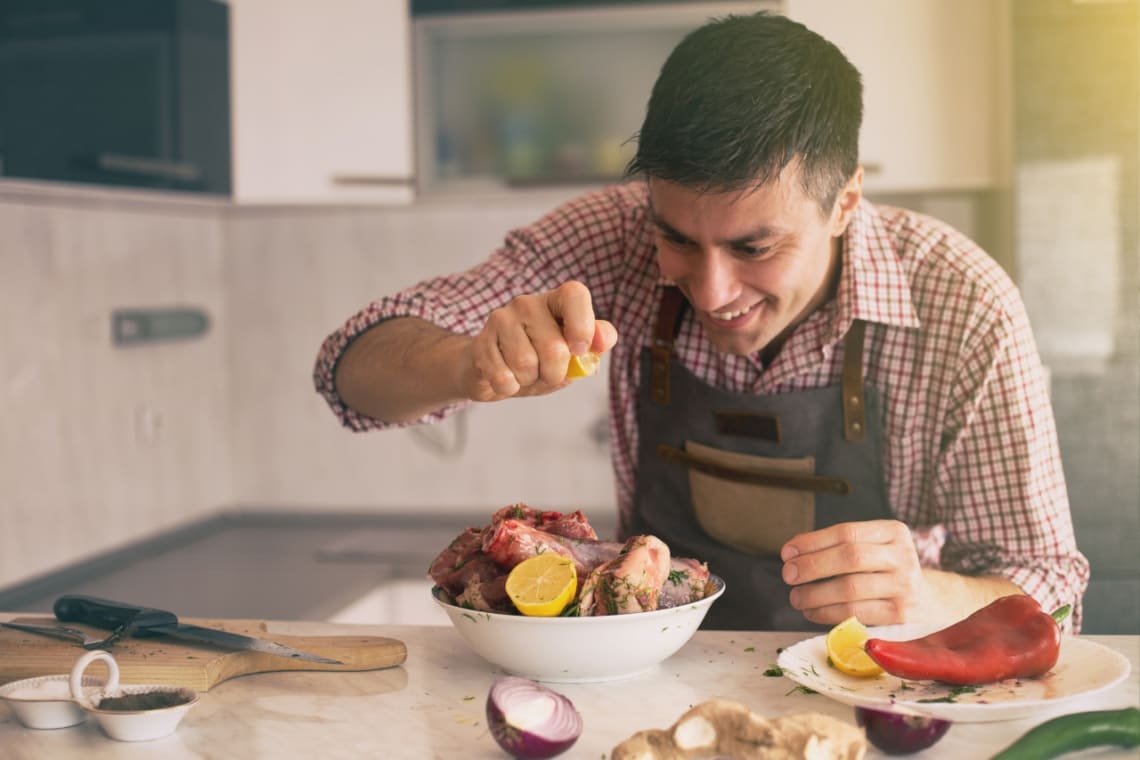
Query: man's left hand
<point x="867" y="569"/>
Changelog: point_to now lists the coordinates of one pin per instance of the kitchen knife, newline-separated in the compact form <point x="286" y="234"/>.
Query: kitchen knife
<point x="137" y="621"/>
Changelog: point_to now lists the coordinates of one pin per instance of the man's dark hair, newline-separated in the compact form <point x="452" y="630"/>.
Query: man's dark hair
<point x="741" y="97"/>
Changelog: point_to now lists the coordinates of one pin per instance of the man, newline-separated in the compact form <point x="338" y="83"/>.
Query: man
<point x="839" y="407"/>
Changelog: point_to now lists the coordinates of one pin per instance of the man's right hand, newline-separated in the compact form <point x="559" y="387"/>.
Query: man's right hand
<point x="525" y="347"/>
<point x="404" y="368"/>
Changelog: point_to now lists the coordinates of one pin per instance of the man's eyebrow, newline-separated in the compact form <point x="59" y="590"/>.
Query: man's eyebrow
<point x="665" y="226"/>
<point x="763" y="232"/>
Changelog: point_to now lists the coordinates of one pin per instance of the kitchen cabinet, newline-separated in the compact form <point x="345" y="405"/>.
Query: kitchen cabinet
<point x="133" y="93"/>
<point x="321" y="101"/>
<point x="936" y="87"/>
<point x="541" y="97"/>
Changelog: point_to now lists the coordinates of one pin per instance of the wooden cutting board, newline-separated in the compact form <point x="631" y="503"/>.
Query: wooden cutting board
<point x="166" y="660"/>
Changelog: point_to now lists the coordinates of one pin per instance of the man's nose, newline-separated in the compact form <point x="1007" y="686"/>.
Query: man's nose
<point x="713" y="281"/>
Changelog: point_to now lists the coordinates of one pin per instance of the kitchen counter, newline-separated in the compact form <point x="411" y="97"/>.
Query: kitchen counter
<point x="433" y="705"/>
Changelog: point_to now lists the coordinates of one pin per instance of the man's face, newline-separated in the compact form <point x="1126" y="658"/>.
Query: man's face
<point x="753" y="263"/>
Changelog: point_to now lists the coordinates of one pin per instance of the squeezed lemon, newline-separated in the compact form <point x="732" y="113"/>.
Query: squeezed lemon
<point x="583" y="366"/>
<point x="845" y="644"/>
<point x="542" y="585"/>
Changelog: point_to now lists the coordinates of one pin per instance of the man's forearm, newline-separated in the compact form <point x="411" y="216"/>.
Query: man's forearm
<point x="402" y="369"/>
<point x="954" y="596"/>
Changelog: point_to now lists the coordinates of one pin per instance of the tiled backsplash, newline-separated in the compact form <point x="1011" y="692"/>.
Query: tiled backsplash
<point x="102" y="446"/>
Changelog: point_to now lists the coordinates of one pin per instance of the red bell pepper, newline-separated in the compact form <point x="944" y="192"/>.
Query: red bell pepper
<point x="1012" y="637"/>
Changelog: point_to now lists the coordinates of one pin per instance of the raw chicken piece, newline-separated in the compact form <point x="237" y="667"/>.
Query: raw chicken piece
<point x="510" y="541"/>
<point x="568" y="524"/>
<point x="687" y="583"/>
<point x="631" y="582"/>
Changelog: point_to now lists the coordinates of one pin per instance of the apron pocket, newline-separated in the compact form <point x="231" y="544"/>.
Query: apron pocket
<point x="751" y="503"/>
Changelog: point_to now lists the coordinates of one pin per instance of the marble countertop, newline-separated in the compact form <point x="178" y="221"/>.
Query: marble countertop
<point x="433" y="705"/>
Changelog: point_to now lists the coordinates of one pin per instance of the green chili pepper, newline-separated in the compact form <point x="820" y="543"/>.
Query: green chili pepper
<point x="1069" y="733"/>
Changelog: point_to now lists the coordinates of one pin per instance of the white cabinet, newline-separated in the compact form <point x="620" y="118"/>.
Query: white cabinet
<point x="321" y="99"/>
<point x="936" y="87"/>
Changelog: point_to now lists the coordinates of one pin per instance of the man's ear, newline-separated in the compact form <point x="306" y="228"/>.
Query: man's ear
<point x="846" y="203"/>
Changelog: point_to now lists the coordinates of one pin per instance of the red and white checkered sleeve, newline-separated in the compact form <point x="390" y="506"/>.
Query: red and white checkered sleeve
<point x="1001" y="489"/>
<point x="579" y="240"/>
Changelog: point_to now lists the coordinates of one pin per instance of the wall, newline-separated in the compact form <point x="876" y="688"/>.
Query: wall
<point x="1077" y="137"/>
<point x="101" y="446"/>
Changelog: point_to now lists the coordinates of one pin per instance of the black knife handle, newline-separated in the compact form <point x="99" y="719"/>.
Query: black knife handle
<point x="103" y="613"/>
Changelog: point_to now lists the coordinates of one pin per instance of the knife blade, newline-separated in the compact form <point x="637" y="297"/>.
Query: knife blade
<point x="141" y="622"/>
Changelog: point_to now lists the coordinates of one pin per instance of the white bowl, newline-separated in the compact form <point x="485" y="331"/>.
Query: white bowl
<point x="138" y="724"/>
<point x="579" y="649"/>
<point x="45" y="702"/>
<point x="143" y="724"/>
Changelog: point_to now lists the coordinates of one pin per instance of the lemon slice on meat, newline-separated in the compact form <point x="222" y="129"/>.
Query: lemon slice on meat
<point x="542" y="585"/>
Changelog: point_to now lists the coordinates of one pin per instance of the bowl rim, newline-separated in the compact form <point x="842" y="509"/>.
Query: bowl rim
<point x="510" y="618"/>
<point x="6" y="689"/>
<point x="191" y="695"/>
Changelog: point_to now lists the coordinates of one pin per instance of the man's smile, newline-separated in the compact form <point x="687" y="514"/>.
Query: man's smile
<point x="734" y="317"/>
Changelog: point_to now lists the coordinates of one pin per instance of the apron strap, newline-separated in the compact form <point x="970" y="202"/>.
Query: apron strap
<point x="854" y="408"/>
<point x="668" y="324"/>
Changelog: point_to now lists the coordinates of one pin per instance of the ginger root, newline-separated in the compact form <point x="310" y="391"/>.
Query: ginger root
<point x="723" y="728"/>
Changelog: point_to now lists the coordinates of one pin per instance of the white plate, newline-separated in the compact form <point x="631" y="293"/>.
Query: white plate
<point x="1083" y="669"/>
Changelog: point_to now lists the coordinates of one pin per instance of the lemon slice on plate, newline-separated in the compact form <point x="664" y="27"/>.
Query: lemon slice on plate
<point x="542" y="585"/>
<point x="845" y="644"/>
<point x="583" y="365"/>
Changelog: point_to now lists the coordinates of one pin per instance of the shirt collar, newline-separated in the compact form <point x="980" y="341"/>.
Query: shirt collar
<point x="872" y="286"/>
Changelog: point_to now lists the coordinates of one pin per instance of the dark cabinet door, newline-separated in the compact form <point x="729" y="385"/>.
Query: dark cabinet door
<point x="117" y="92"/>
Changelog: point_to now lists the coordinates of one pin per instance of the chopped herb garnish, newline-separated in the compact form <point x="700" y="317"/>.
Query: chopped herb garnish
<point x="956" y="692"/>
<point x="774" y="671"/>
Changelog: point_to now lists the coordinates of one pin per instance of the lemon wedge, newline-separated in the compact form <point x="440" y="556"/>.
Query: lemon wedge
<point x="542" y="585"/>
<point x="845" y="649"/>
<point x="583" y="366"/>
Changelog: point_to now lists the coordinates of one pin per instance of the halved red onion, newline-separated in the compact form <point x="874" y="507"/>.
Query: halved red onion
<point x="897" y="733"/>
<point x="528" y="720"/>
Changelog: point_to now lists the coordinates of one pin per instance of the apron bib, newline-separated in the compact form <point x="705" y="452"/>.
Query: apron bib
<point x="727" y="478"/>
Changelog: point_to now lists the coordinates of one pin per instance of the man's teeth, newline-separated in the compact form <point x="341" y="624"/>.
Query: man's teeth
<point x="725" y="316"/>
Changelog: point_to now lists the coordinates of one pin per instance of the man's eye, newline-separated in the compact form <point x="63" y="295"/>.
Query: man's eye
<point x="753" y="251"/>
<point x="675" y="239"/>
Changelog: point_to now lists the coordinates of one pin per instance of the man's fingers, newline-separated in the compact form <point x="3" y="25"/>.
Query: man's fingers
<point x="846" y="589"/>
<point x="605" y="336"/>
<point x="843" y="560"/>
<point x="573" y="307"/>
<point x="869" y="612"/>
<point x="863" y="532"/>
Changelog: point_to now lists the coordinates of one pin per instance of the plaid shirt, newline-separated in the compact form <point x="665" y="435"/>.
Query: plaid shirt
<point x="971" y="455"/>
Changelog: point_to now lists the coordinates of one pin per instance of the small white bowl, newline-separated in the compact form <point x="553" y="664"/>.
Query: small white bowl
<point x="579" y="649"/>
<point x="133" y="724"/>
<point x="45" y="702"/>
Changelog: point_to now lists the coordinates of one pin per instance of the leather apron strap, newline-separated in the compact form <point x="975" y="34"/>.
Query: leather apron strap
<point x="854" y="403"/>
<point x="668" y="325"/>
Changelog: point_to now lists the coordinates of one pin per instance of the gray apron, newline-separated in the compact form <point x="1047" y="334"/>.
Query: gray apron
<point x="727" y="477"/>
